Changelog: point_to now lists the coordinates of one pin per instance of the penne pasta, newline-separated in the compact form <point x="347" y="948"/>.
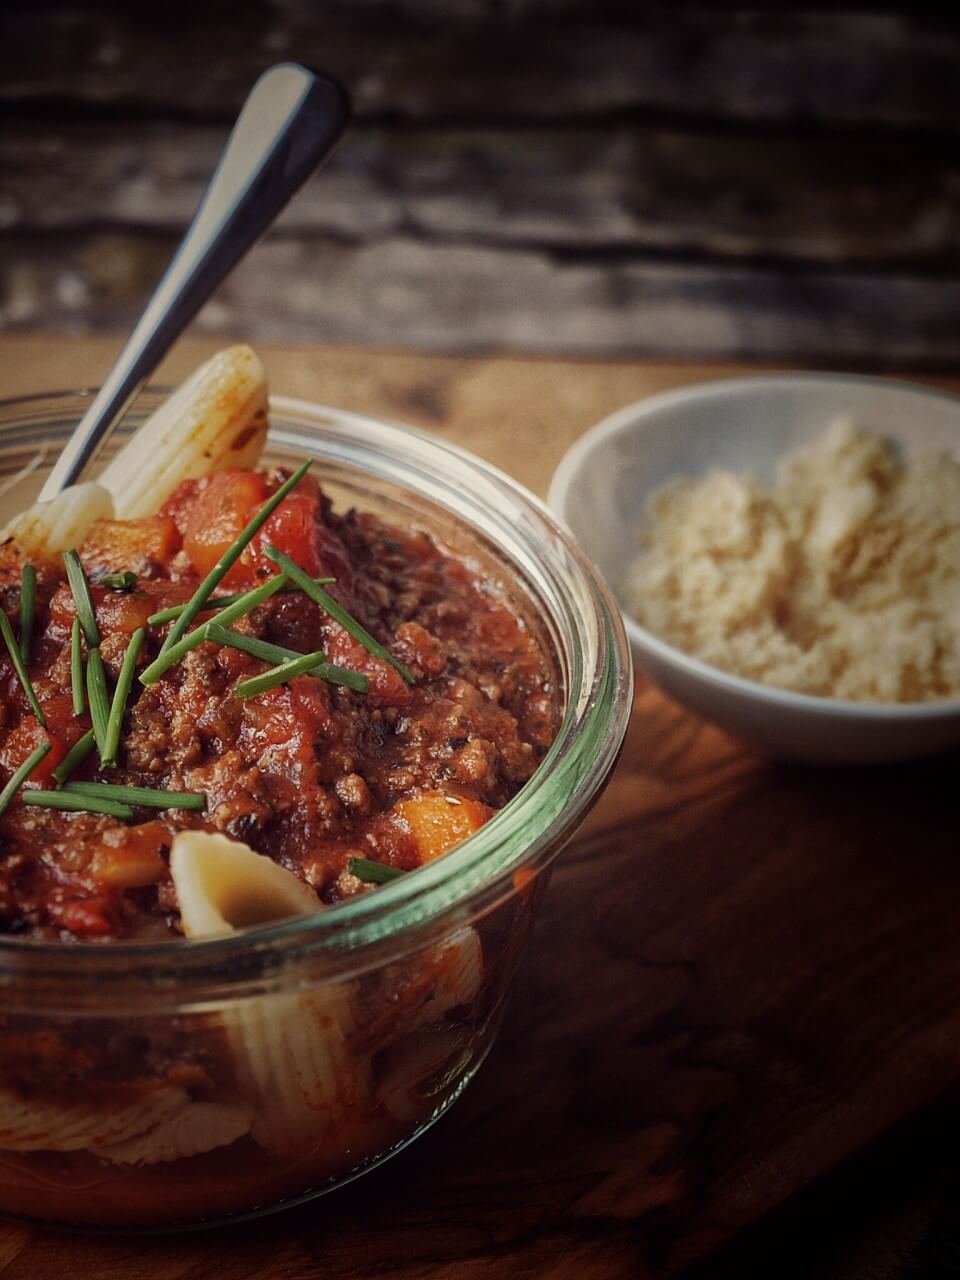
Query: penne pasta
<point x="216" y="419"/>
<point x="222" y="886"/>
<point x="456" y="969"/>
<point x="194" y="1129"/>
<point x="420" y="1066"/>
<point x="292" y="1061"/>
<point x="47" y="528"/>
<point x="31" y="1124"/>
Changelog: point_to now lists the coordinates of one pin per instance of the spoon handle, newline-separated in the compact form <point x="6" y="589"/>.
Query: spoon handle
<point x="289" y="124"/>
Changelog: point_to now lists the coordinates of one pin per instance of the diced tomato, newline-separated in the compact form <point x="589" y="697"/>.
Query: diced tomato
<point x="83" y="917"/>
<point x="438" y="822"/>
<point x="223" y="507"/>
<point x="212" y="513"/>
<point x="122" y="544"/>
<point x="60" y="718"/>
<point x="181" y="502"/>
<point x="387" y="687"/>
<point x="292" y="529"/>
<point x="22" y="741"/>
<point x="123" y="611"/>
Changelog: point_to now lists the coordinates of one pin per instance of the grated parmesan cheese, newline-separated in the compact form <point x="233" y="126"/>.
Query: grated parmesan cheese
<point x="842" y="580"/>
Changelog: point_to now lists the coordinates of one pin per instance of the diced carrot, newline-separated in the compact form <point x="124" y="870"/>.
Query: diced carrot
<point x="121" y="544"/>
<point x="130" y="857"/>
<point x="438" y="822"/>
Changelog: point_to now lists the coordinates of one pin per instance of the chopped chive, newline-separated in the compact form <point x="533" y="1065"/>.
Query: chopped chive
<point x="74" y="803"/>
<point x="82" y="598"/>
<point x="336" y="611"/>
<point x="220" y="602"/>
<point x="373" y="872"/>
<point x="76" y="670"/>
<point x="111" y="741"/>
<point x="278" y="675"/>
<point x="74" y="757"/>
<point x="241" y="605"/>
<point x="333" y="674"/>
<point x="98" y="697"/>
<point x="276" y="653"/>
<point x="28" y="609"/>
<point x="139" y="795"/>
<point x="14" y="650"/>
<point x="261" y="649"/>
<point x="22" y="774"/>
<point x="125" y="581"/>
<point x="231" y="556"/>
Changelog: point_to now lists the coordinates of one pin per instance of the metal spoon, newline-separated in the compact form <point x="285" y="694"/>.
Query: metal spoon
<point x="289" y="124"/>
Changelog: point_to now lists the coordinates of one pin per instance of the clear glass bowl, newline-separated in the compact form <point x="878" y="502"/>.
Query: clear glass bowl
<point x="152" y="1086"/>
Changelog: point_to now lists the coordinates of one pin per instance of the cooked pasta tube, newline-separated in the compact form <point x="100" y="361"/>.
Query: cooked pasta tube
<point x="294" y="1062"/>
<point x="222" y="886"/>
<point x="422" y="1061"/>
<point x="196" y="1128"/>
<point x="47" y="528"/>
<point x="420" y="1066"/>
<point x="454" y="970"/>
<point x="32" y="1124"/>
<point x="291" y="1054"/>
<point x="216" y="419"/>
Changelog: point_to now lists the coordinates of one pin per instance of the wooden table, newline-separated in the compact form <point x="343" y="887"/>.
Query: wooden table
<point x="742" y="999"/>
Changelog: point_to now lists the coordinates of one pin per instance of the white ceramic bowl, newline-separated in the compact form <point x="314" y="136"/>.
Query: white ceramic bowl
<point x="748" y="424"/>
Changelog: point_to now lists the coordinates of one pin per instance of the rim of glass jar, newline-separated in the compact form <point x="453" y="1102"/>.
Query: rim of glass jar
<point x="529" y="830"/>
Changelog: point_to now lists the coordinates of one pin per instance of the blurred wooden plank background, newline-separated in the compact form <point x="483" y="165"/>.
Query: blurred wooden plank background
<point x="594" y="177"/>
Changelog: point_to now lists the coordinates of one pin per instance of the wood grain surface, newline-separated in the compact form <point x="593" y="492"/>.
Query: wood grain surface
<point x="570" y="176"/>
<point x="743" y="988"/>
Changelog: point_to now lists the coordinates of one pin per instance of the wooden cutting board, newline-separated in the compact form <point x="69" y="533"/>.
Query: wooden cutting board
<point x="742" y="975"/>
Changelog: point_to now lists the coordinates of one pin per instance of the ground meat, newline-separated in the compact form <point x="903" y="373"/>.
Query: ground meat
<point x="309" y="773"/>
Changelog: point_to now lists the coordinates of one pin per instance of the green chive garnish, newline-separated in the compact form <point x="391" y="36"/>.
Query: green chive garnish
<point x="111" y="742"/>
<point x="276" y="653"/>
<point x="333" y="674"/>
<point x="261" y="649"/>
<point x="125" y="581"/>
<point x="76" y="670"/>
<point x="230" y="557"/>
<point x="336" y="611"/>
<point x="278" y="675"/>
<point x="220" y="602"/>
<point x="82" y="598"/>
<point x="241" y="605"/>
<point x="373" y="872"/>
<point x="74" y="803"/>
<point x="99" y="698"/>
<point x="22" y="774"/>
<point x="14" y="650"/>
<point x="74" y="757"/>
<point x="138" y="795"/>
<point x="28" y="609"/>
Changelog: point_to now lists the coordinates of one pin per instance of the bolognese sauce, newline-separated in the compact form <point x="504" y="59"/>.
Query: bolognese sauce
<point x="390" y="767"/>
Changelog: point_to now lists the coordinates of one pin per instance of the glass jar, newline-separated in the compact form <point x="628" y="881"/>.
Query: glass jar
<point x="147" y="1086"/>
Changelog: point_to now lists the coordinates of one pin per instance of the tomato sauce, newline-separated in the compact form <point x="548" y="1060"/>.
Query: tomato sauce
<point x="308" y="773"/>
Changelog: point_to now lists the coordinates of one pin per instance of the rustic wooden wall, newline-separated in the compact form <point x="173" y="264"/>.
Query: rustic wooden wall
<point x="540" y="175"/>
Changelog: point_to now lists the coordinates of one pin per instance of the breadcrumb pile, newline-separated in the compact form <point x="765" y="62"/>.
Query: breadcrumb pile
<point x="843" y="580"/>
